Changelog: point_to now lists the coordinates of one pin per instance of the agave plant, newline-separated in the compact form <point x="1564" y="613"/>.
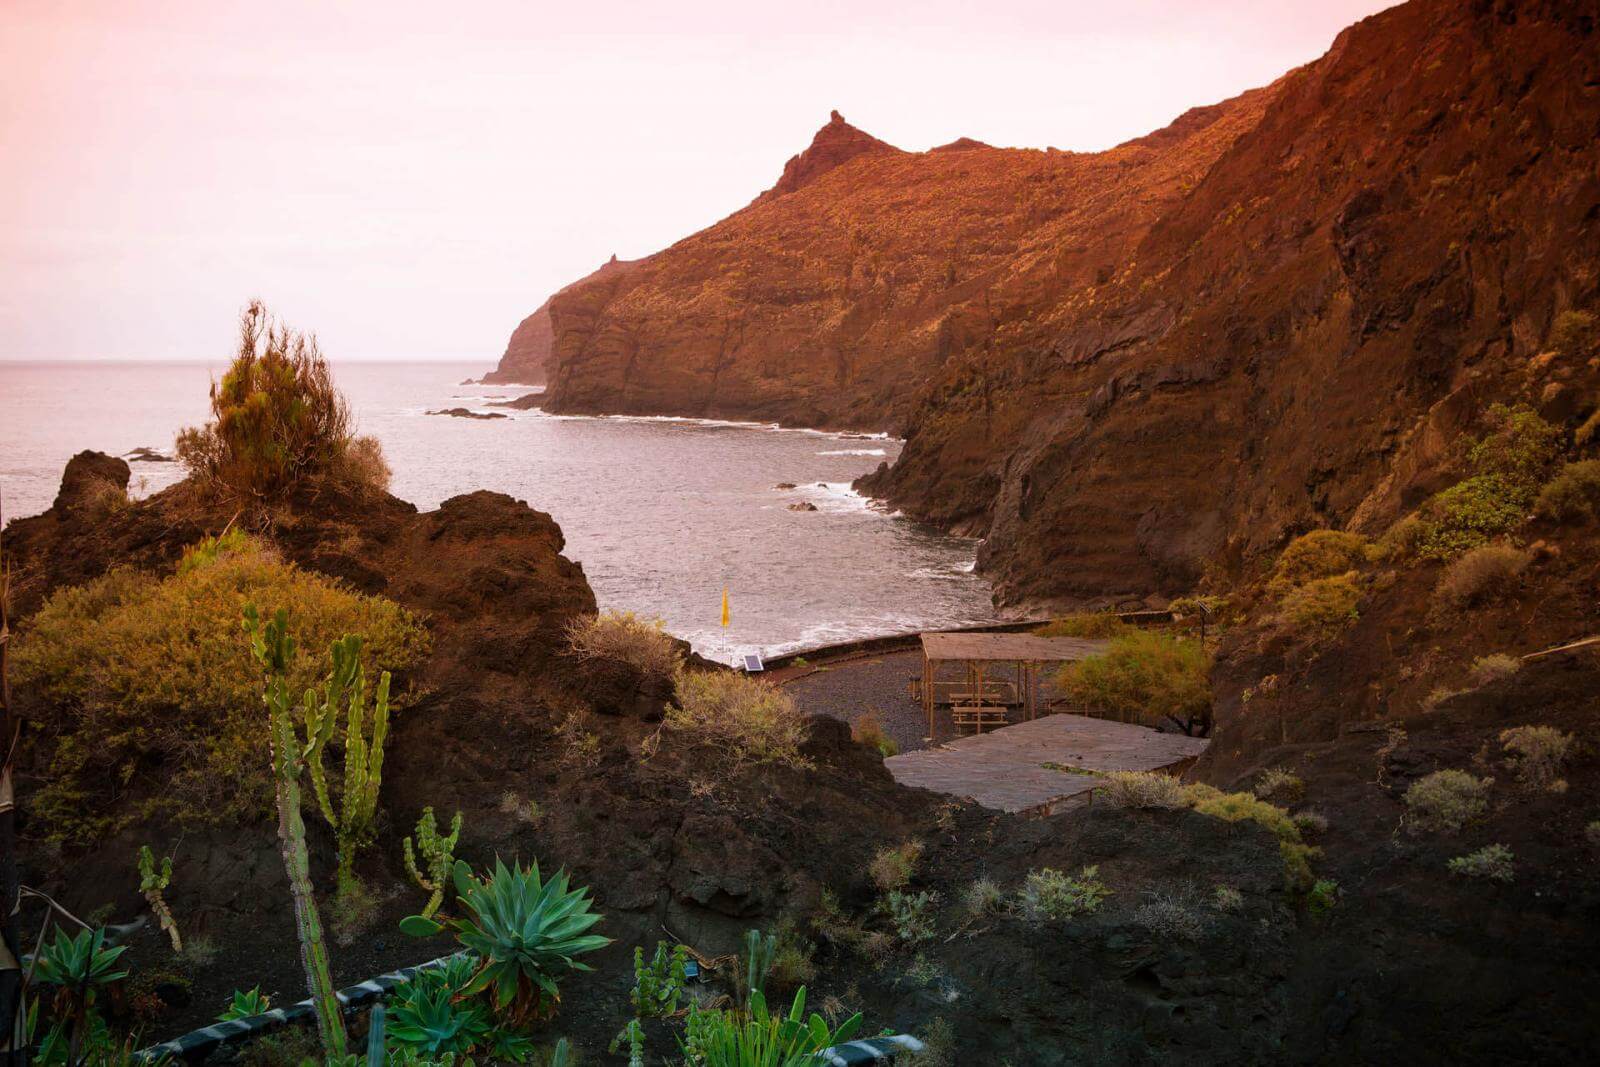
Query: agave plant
<point x="244" y="1004"/>
<point x="79" y="964"/>
<point x="526" y="931"/>
<point x="426" y="1016"/>
<point x="757" y="1038"/>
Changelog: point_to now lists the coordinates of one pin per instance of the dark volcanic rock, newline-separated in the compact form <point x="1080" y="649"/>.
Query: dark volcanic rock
<point x="804" y="505"/>
<point x="87" y="477"/>
<point x="526" y="402"/>
<point x="467" y="413"/>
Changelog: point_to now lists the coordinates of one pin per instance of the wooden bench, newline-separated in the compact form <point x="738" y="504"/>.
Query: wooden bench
<point x="978" y="716"/>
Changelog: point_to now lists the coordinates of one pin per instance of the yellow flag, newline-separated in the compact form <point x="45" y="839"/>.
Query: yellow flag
<point x="724" y="605"/>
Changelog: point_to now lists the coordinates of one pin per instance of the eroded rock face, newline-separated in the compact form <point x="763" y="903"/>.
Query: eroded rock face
<point x="527" y="356"/>
<point x="1118" y="366"/>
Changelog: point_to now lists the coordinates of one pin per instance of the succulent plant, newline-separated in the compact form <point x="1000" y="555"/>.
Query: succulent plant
<point x="244" y="1004"/>
<point x="151" y="884"/>
<point x="79" y="964"/>
<point x="274" y="650"/>
<point x="438" y="853"/>
<point x="426" y="1016"/>
<point x="525" y="930"/>
<point x="757" y="1038"/>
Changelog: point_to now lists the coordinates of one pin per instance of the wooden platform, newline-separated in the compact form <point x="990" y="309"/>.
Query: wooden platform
<point x="1005" y="768"/>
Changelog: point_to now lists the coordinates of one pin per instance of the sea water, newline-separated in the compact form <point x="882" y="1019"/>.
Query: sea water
<point x="663" y="513"/>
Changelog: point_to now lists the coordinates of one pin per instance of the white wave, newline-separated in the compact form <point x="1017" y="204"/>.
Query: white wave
<point x="854" y="452"/>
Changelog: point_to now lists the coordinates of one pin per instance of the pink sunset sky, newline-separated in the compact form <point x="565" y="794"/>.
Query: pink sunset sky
<point x="411" y="180"/>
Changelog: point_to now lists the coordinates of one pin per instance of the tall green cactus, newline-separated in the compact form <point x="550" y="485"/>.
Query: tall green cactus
<point x="438" y="853"/>
<point x="151" y="884"/>
<point x="274" y="650"/>
<point x="355" y="817"/>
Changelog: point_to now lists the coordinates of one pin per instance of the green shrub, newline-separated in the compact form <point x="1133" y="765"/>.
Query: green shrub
<point x="1493" y="667"/>
<point x="1242" y="807"/>
<point x="1085" y="624"/>
<point x="910" y="914"/>
<point x="1049" y="894"/>
<point x="1481" y="574"/>
<point x="1322" y="896"/>
<point x="1143" y="789"/>
<point x="277" y="420"/>
<point x="792" y="964"/>
<point x="755" y="1037"/>
<point x="1323" y="606"/>
<point x="1573" y="495"/>
<point x="1469" y="514"/>
<point x="1538" y="753"/>
<point x="1492" y="862"/>
<point x="1446" y="800"/>
<point x="1309" y="822"/>
<point x="1572" y="334"/>
<point x="151" y="677"/>
<point x="748" y="719"/>
<point x="621" y="635"/>
<point x="1318" y="554"/>
<point x="1146" y="676"/>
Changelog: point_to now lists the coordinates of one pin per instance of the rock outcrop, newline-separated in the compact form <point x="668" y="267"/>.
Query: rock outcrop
<point x="1120" y="367"/>
<point x="527" y="356"/>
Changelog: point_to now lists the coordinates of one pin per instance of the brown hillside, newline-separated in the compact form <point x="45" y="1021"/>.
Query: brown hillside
<point x="836" y="294"/>
<point x="1273" y="314"/>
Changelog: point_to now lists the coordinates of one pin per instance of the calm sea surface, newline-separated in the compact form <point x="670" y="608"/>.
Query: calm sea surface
<point x="662" y="513"/>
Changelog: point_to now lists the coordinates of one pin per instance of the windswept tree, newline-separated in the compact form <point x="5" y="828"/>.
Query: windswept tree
<point x="278" y="421"/>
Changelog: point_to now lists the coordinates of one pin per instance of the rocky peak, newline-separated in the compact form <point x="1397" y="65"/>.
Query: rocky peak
<point x="836" y="143"/>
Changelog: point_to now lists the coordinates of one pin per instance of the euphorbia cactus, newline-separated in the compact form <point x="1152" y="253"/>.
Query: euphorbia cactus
<point x="151" y="884"/>
<point x="274" y="649"/>
<point x="438" y="854"/>
<point x="355" y="817"/>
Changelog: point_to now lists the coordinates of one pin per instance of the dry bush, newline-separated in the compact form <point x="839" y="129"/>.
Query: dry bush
<point x="277" y="420"/>
<point x="1227" y="898"/>
<point x="1508" y="466"/>
<point x="892" y="868"/>
<point x="1446" y="800"/>
<point x="748" y="719"/>
<point x="1171" y="917"/>
<point x="153" y="677"/>
<point x="1143" y="789"/>
<point x="1310" y="823"/>
<point x="1492" y="862"/>
<point x="1493" y="667"/>
<point x="983" y="896"/>
<point x="621" y="635"/>
<point x="1318" y="554"/>
<point x="1572" y="495"/>
<point x="1279" y="784"/>
<point x="1480" y="574"/>
<point x="1403" y="540"/>
<point x="1323" y="606"/>
<point x="1145" y="676"/>
<point x="1538" y="753"/>
<point x="1085" y="624"/>
<point x="868" y="730"/>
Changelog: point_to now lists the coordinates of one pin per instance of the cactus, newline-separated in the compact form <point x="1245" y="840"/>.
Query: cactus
<point x="151" y="884"/>
<point x="657" y="987"/>
<point x="354" y="819"/>
<point x="274" y="649"/>
<point x="439" y="855"/>
<point x="758" y="950"/>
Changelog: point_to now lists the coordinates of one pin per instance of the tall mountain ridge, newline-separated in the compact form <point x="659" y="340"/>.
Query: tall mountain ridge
<point x="1123" y="367"/>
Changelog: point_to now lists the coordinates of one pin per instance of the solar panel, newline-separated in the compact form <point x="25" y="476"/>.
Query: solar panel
<point x="752" y="663"/>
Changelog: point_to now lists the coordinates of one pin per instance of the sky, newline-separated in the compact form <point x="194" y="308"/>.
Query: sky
<point x="409" y="180"/>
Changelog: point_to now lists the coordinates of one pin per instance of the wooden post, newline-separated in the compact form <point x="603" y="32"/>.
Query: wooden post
<point x="927" y="690"/>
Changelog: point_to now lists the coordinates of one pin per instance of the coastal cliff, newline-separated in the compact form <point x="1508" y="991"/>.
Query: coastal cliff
<point x="526" y="360"/>
<point x="1122" y="367"/>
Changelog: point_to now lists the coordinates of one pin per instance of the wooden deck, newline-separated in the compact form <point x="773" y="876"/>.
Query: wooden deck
<point x="1005" y="768"/>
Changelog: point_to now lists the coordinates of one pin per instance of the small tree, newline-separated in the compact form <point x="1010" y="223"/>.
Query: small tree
<point x="277" y="419"/>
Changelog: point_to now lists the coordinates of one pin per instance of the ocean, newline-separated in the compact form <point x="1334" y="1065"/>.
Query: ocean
<point x="662" y="513"/>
